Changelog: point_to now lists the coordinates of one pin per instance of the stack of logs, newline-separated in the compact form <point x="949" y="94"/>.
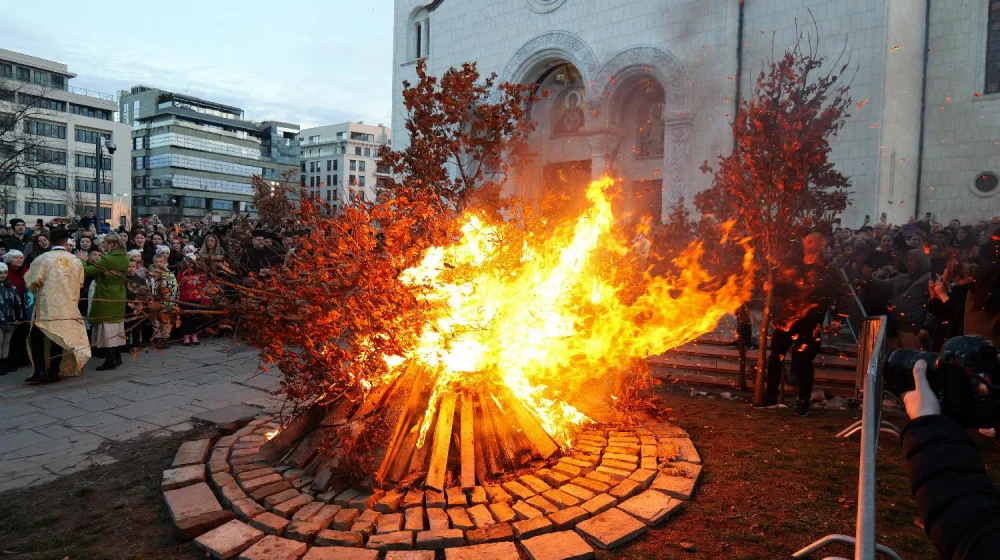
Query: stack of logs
<point x="473" y="436"/>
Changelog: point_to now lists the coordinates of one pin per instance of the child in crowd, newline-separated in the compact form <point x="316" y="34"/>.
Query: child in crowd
<point x="163" y="287"/>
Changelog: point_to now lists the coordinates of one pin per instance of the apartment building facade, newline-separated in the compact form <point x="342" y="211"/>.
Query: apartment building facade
<point x="56" y="130"/>
<point x="339" y="162"/>
<point x="192" y="156"/>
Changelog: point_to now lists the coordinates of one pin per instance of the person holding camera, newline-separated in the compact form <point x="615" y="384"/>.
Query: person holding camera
<point x="956" y="499"/>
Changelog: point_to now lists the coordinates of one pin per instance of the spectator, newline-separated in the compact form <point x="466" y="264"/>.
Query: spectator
<point x="11" y="313"/>
<point x="909" y="323"/>
<point x="163" y="289"/>
<point x="137" y="294"/>
<point x="38" y="246"/>
<point x="957" y="501"/>
<point x="16" y="269"/>
<point x="18" y="239"/>
<point x="107" y="311"/>
<point x="191" y="286"/>
<point x="982" y="305"/>
<point x="57" y="330"/>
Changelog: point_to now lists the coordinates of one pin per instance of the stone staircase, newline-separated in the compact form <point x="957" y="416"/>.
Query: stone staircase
<point x="714" y="359"/>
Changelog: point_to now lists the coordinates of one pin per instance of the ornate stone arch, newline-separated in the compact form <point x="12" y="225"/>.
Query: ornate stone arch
<point x="617" y="76"/>
<point x="555" y="45"/>
<point x="644" y="60"/>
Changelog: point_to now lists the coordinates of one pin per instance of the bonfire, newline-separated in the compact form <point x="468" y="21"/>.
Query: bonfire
<point x="520" y="323"/>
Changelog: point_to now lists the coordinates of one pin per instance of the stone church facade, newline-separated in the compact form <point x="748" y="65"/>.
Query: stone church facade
<point x="646" y="89"/>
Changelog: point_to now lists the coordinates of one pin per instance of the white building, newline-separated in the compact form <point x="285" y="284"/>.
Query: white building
<point x="62" y="181"/>
<point x="340" y="161"/>
<point x="647" y="89"/>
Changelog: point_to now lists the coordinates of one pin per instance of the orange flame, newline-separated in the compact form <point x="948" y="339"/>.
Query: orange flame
<point x="543" y="318"/>
<point x="270" y="435"/>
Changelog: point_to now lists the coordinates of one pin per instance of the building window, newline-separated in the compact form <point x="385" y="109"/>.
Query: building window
<point x="334" y="180"/>
<point x="328" y="180"/>
<point x="303" y="167"/>
<point x="104" y="214"/>
<point x="361" y="180"/>
<point x="352" y="180"/>
<point x="23" y="74"/>
<point x="47" y="182"/>
<point x="58" y="82"/>
<point x="90" y="186"/>
<point x="362" y="136"/>
<point x="986" y="183"/>
<point x="45" y="209"/>
<point x="41" y="78"/>
<point x="328" y="164"/>
<point x="11" y="207"/>
<point x="219" y="204"/>
<point x="90" y="162"/>
<point x="993" y="48"/>
<point x="361" y="166"/>
<point x="91" y="136"/>
<point x="335" y="162"/>
<point x="340" y="136"/>
<point x="354" y="165"/>
<point x="194" y="202"/>
<point x="45" y="129"/>
<point x="85" y="111"/>
<point x="312" y="166"/>
<point x="6" y="70"/>
<point x="42" y="155"/>
<point x="357" y="150"/>
<point x="368" y="152"/>
<point x="41" y="103"/>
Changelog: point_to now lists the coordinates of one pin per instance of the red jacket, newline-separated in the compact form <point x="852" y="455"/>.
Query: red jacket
<point x="190" y="284"/>
<point x="17" y="278"/>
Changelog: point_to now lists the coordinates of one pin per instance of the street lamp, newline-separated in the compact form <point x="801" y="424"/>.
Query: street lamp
<point x="100" y="145"/>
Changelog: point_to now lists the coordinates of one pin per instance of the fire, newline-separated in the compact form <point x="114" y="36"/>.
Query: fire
<point x="270" y="435"/>
<point x="537" y="318"/>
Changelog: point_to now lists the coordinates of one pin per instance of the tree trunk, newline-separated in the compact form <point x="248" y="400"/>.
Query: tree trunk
<point x="758" y="390"/>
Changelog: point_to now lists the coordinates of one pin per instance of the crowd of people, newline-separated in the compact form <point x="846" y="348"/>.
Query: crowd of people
<point x="932" y="280"/>
<point x="67" y="289"/>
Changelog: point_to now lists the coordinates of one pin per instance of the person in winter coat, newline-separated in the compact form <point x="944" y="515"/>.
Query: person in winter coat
<point x="982" y="305"/>
<point x="16" y="269"/>
<point x="956" y="498"/>
<point x="11" y="313"/>
<point x="910" y="324"/>
<point x="191" y="282"/>
<point x="107" y="311"/>
<point x="163" y="292"/>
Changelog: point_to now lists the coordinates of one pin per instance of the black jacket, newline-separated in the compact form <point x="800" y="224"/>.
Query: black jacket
<point x="804" y="292"/>
<point x="956" y="499"/>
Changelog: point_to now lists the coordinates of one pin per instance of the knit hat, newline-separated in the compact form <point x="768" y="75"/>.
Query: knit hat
<point x="3" y="267"/>
<point x="16" y="221"/>
<point x="9" y="255"/>
<point x="134" y="253"/>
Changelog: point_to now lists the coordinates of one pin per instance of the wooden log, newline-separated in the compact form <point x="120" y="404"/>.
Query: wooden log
<point x="442" y="442"/>
<point x="410" y="409"/>
<point x="468" y="442"/>
<point x="303" y="423"/>
<point x="481" y="465"/>
<point x="507" y="443"/>
<point x="539" y="438"/>
<point x="418" y="463"/>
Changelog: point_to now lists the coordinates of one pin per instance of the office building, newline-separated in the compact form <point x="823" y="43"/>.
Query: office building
<point x="192" y="156"/>
<point x="340" y="161"/>
<point x="57" y="176"/>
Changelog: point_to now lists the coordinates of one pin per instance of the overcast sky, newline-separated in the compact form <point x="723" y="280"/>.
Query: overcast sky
<point x="309" y="62"/>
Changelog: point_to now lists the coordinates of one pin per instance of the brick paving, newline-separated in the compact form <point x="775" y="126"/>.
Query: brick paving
<point x="54" y="430"/>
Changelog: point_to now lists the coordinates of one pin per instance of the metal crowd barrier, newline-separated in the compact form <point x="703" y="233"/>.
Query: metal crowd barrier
<point x="867" y="335"/>
<point x="871" y="347"/>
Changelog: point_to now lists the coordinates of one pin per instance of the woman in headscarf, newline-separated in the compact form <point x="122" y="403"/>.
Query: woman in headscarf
<point x="107" y="312"/>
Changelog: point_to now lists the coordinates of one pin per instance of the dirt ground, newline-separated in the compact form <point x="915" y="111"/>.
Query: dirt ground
<point x="772" y="483"/>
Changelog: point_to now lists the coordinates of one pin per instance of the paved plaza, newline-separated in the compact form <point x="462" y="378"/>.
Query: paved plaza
<point x="54" y="430"/>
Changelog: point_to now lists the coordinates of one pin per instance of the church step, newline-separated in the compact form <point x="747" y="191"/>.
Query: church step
<point x="731" y="352"/>
<point x="728" y="380"/>
<point x="699" y="363"/>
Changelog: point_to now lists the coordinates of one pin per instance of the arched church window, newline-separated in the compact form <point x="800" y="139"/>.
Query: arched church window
<point x="649" y="128"/>
<point x="420" y="38"/>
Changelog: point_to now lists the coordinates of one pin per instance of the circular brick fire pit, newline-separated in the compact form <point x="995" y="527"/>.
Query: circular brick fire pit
<point x="614" y="484"/>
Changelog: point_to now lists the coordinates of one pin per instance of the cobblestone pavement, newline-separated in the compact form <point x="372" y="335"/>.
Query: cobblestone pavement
<point x="53" y="430"/>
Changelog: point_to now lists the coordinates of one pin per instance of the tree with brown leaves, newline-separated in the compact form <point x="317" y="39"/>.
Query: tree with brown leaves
<point x="779" y="184"/>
